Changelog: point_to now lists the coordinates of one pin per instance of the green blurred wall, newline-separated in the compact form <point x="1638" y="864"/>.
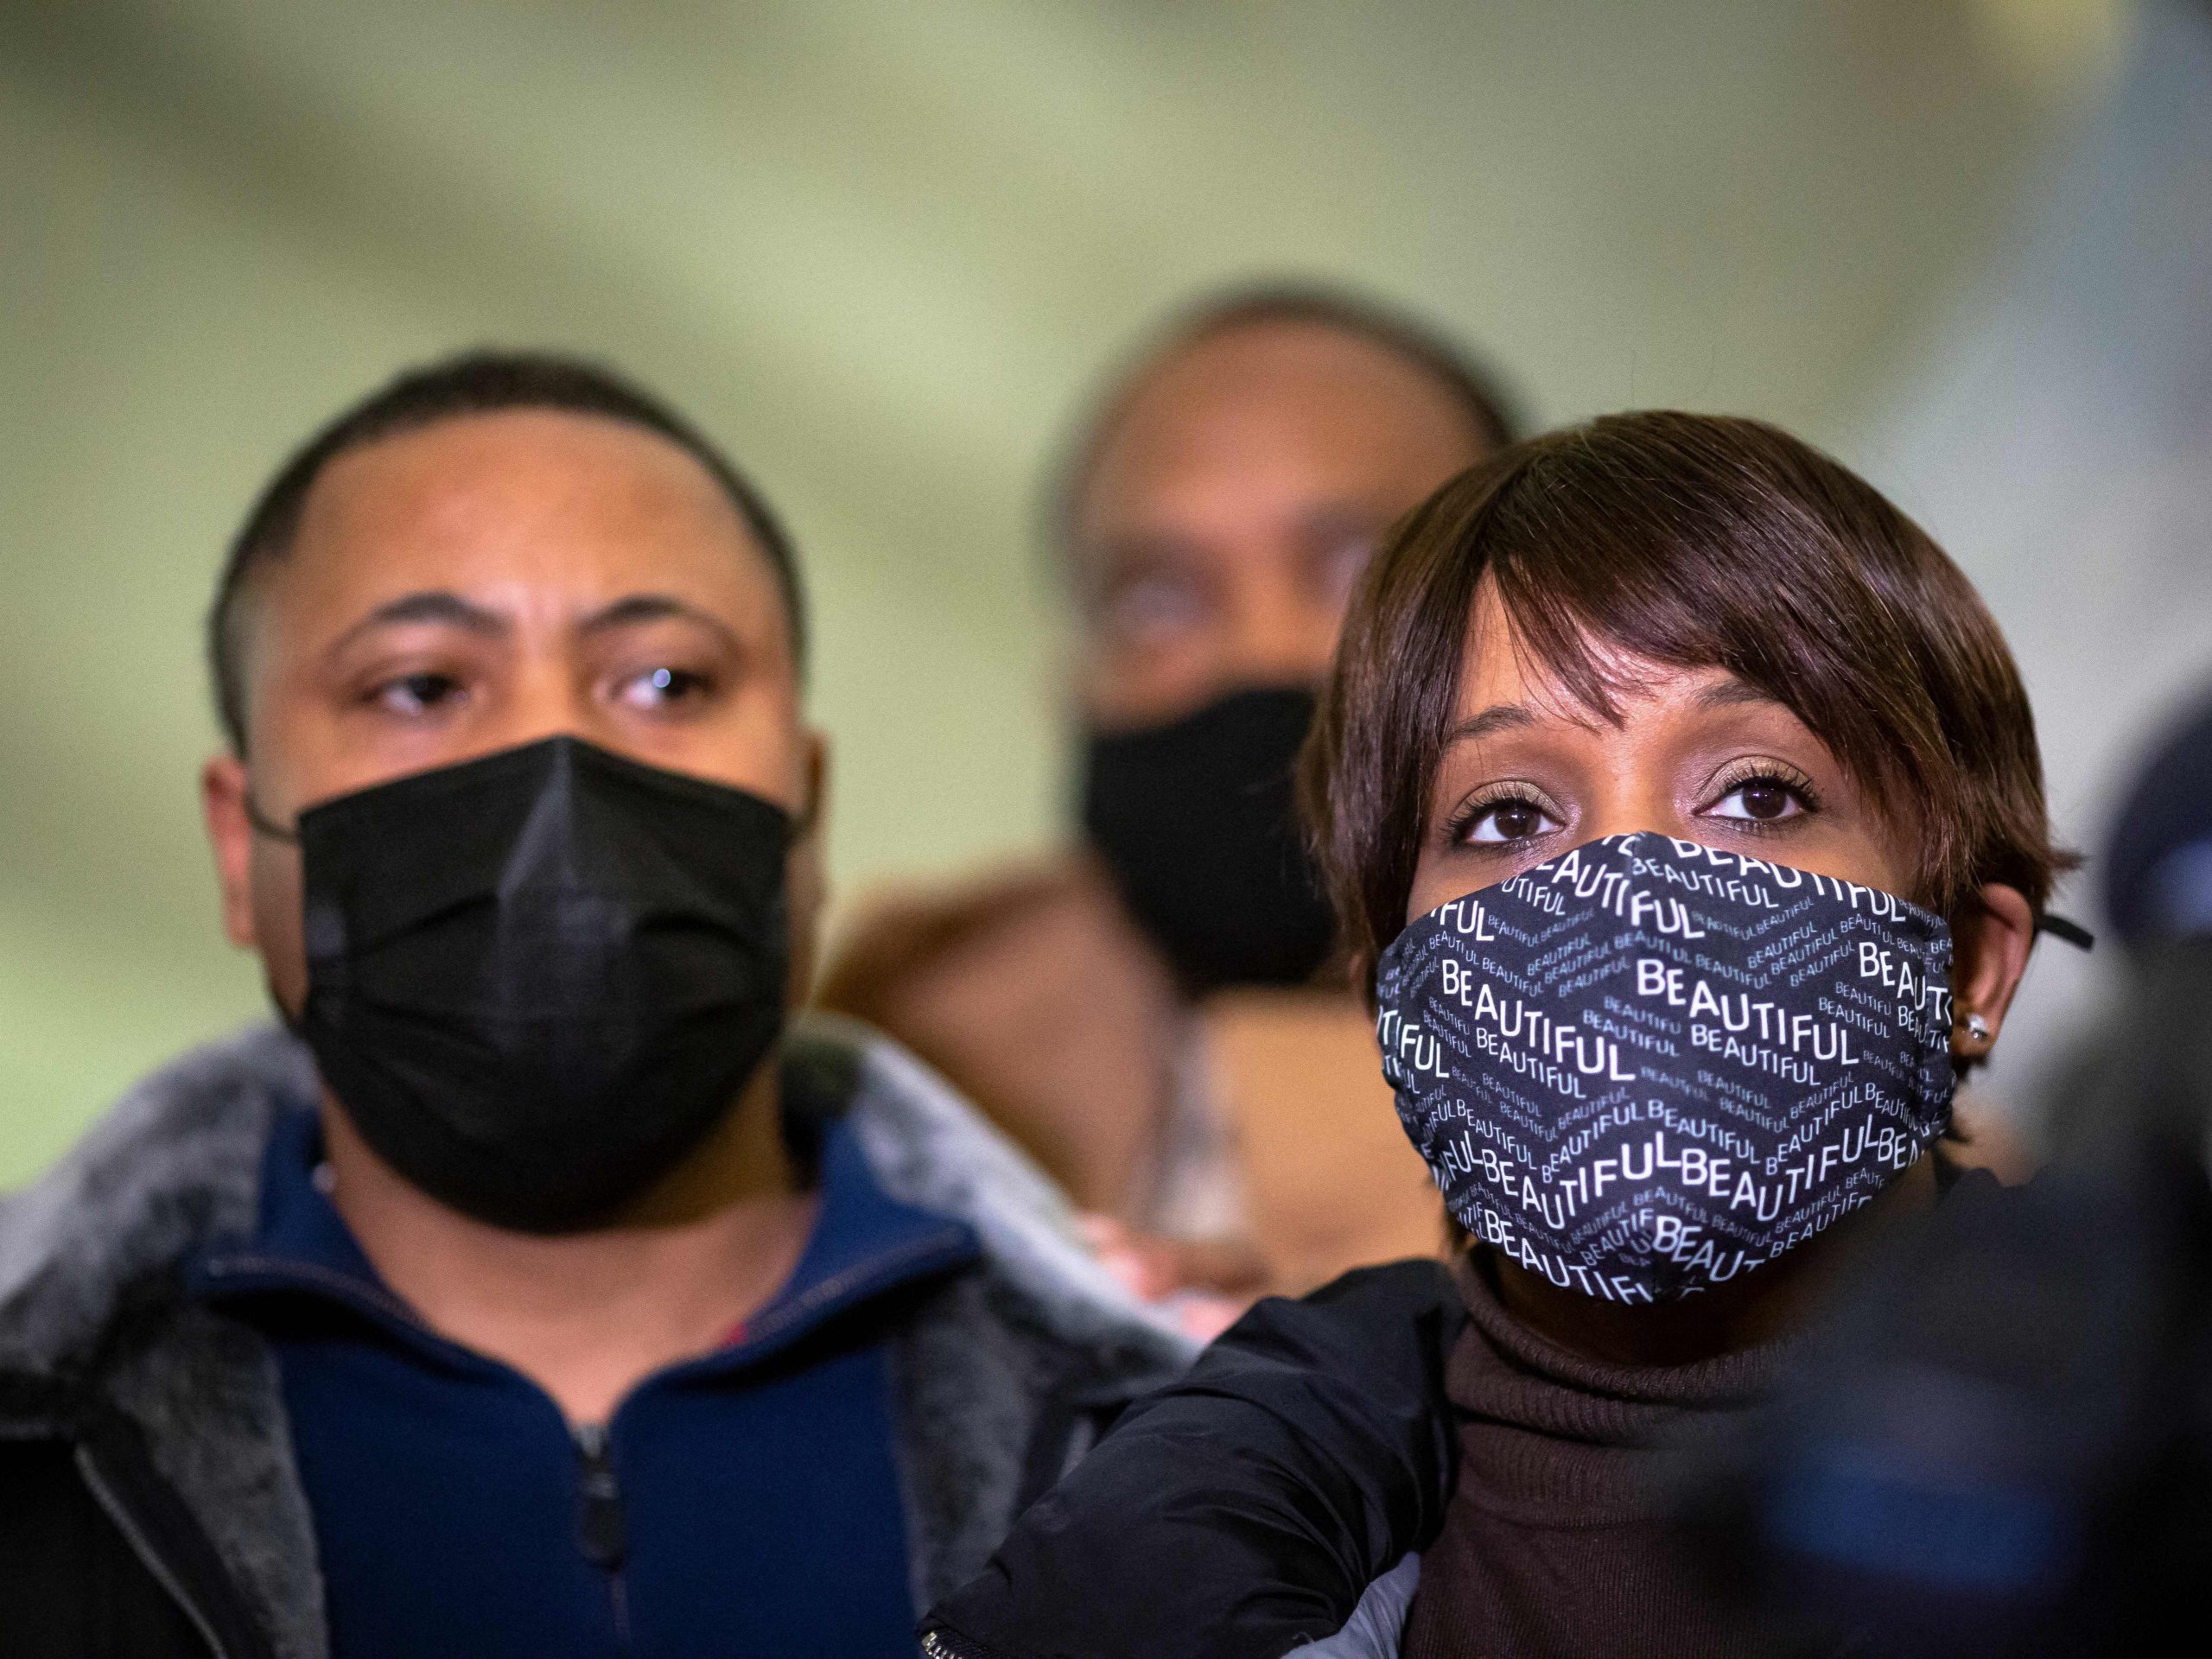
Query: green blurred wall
<point x="878" y="249"/>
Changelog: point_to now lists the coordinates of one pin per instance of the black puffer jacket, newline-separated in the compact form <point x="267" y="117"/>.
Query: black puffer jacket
<point x="1309" y="1450"/>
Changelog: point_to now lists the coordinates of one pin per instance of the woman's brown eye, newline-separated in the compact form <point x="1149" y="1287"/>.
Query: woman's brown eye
<point x="1517" y="820"/>
<point x="1765" y="799"/>
<point x="1507" y="821"/>
<point x="1761" y="800"/>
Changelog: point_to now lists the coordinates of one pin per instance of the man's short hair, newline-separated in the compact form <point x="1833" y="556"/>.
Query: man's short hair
<point x="1470" y="385"/>
<point x="1702" y="542"/>
<point x="475" y="383"/>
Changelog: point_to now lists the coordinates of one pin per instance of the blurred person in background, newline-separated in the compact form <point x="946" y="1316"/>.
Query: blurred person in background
<point x="1155" y="1014"/>
<point x="1682" y="806"/>
<point x="537" y="1290"/>
<point x="2157" y="863"/>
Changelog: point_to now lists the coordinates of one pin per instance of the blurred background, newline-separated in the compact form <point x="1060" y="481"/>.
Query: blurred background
<point x="881" y="249"/>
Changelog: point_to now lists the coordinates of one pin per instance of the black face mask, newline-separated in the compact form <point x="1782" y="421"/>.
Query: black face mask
<point x="1197" y="823"/>
<point x="538" y="980"/>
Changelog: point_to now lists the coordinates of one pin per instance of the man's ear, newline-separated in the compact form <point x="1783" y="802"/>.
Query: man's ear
<point x="806" y="868"/>
<point x="817" y="781"/>
<point x="1990" y="945"/>
<point x="230" y="834"/>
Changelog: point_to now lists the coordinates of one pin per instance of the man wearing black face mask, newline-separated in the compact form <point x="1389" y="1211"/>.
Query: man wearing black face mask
<point x="1201" y="1096"/>
<point x="539" y="1293"/>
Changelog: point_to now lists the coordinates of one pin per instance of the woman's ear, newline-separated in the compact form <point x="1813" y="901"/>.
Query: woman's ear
<point x="1990" y="945"/>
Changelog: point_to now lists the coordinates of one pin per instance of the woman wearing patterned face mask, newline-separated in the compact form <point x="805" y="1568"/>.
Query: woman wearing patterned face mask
<point x="1683" y="810"/>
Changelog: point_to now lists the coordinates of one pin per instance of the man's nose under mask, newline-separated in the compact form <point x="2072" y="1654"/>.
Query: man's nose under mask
<point x="538" y="980"/>
<point x="1646" y="1067"/>
<point x="1196" y="821"/>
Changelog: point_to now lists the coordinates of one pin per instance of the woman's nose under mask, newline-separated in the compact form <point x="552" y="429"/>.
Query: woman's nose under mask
<point x="1647" y="1066"/>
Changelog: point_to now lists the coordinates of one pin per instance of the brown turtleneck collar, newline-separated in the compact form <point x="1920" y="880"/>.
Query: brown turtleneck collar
<point x="1550" y="1543"/>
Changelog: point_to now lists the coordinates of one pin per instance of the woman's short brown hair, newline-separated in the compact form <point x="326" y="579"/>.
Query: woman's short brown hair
<point x="1702" y="542"/>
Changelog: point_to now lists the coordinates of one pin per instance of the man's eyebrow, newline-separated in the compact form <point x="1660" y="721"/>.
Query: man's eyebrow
<point x="1335" y="517"/>
<point x="1498" y="717"/>
<point x="633" y="609"/>
<point x="430" y="605"/>
<point x="1141" y="548"/>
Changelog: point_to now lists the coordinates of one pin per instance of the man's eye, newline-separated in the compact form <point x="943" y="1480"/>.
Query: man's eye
<point x="1760" y="800"/>
<point x="417" y="694"/>
<point x="1497" y="823"/>
<point x="1341" y="567"/>
<point x="1152" y="608"/>
<point x="656" y="688"/>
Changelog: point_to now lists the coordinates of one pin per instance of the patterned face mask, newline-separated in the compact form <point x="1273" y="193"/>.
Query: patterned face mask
<point x="1647" y="1066"/>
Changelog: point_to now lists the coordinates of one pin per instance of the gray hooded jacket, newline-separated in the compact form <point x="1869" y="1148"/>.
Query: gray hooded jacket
<point x="175" y="1413"/>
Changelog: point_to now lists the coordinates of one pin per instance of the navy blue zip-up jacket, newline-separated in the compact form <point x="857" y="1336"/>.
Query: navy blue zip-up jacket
<point x="746" y="1500"/>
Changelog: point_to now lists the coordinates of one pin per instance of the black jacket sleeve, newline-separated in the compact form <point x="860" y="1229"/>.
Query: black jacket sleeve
<point x="1243" y="1509"/>
<point x="71" y="1586"/>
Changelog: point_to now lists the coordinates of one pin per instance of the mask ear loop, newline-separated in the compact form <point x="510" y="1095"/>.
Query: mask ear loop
<point x="265" y="825"/>
<point x="803" y="823"/>
<point x="2072" y="932"/>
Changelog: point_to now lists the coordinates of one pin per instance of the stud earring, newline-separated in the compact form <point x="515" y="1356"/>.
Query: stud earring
<point x="1976" y="1028"/>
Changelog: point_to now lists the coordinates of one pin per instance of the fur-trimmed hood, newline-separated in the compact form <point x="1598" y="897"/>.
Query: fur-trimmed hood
<point x="92" y="1303"/>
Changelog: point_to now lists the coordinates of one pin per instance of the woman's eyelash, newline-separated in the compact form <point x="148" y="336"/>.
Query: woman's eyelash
<point x="1768" y="772"/>
<point x="1471" y="812"/>
<point x="1475" y="809"/>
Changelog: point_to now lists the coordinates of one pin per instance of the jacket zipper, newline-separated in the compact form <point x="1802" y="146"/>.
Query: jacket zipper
<point x="939" y="1644"/>
<point x="601" y="1531"/>
<point x="109" y="1500"/>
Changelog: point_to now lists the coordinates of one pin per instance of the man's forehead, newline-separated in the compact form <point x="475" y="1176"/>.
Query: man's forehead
<point x="527" y="494"/>
<point x="472" y="473"/>
<point x="1295" y="366"/>
<point x="488" y="513"/>
<point x="1281" y="398"/>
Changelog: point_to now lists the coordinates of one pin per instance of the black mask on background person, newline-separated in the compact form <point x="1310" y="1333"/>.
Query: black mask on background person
<point x="1196" y="821"/>
<point x="537" y="981"/>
